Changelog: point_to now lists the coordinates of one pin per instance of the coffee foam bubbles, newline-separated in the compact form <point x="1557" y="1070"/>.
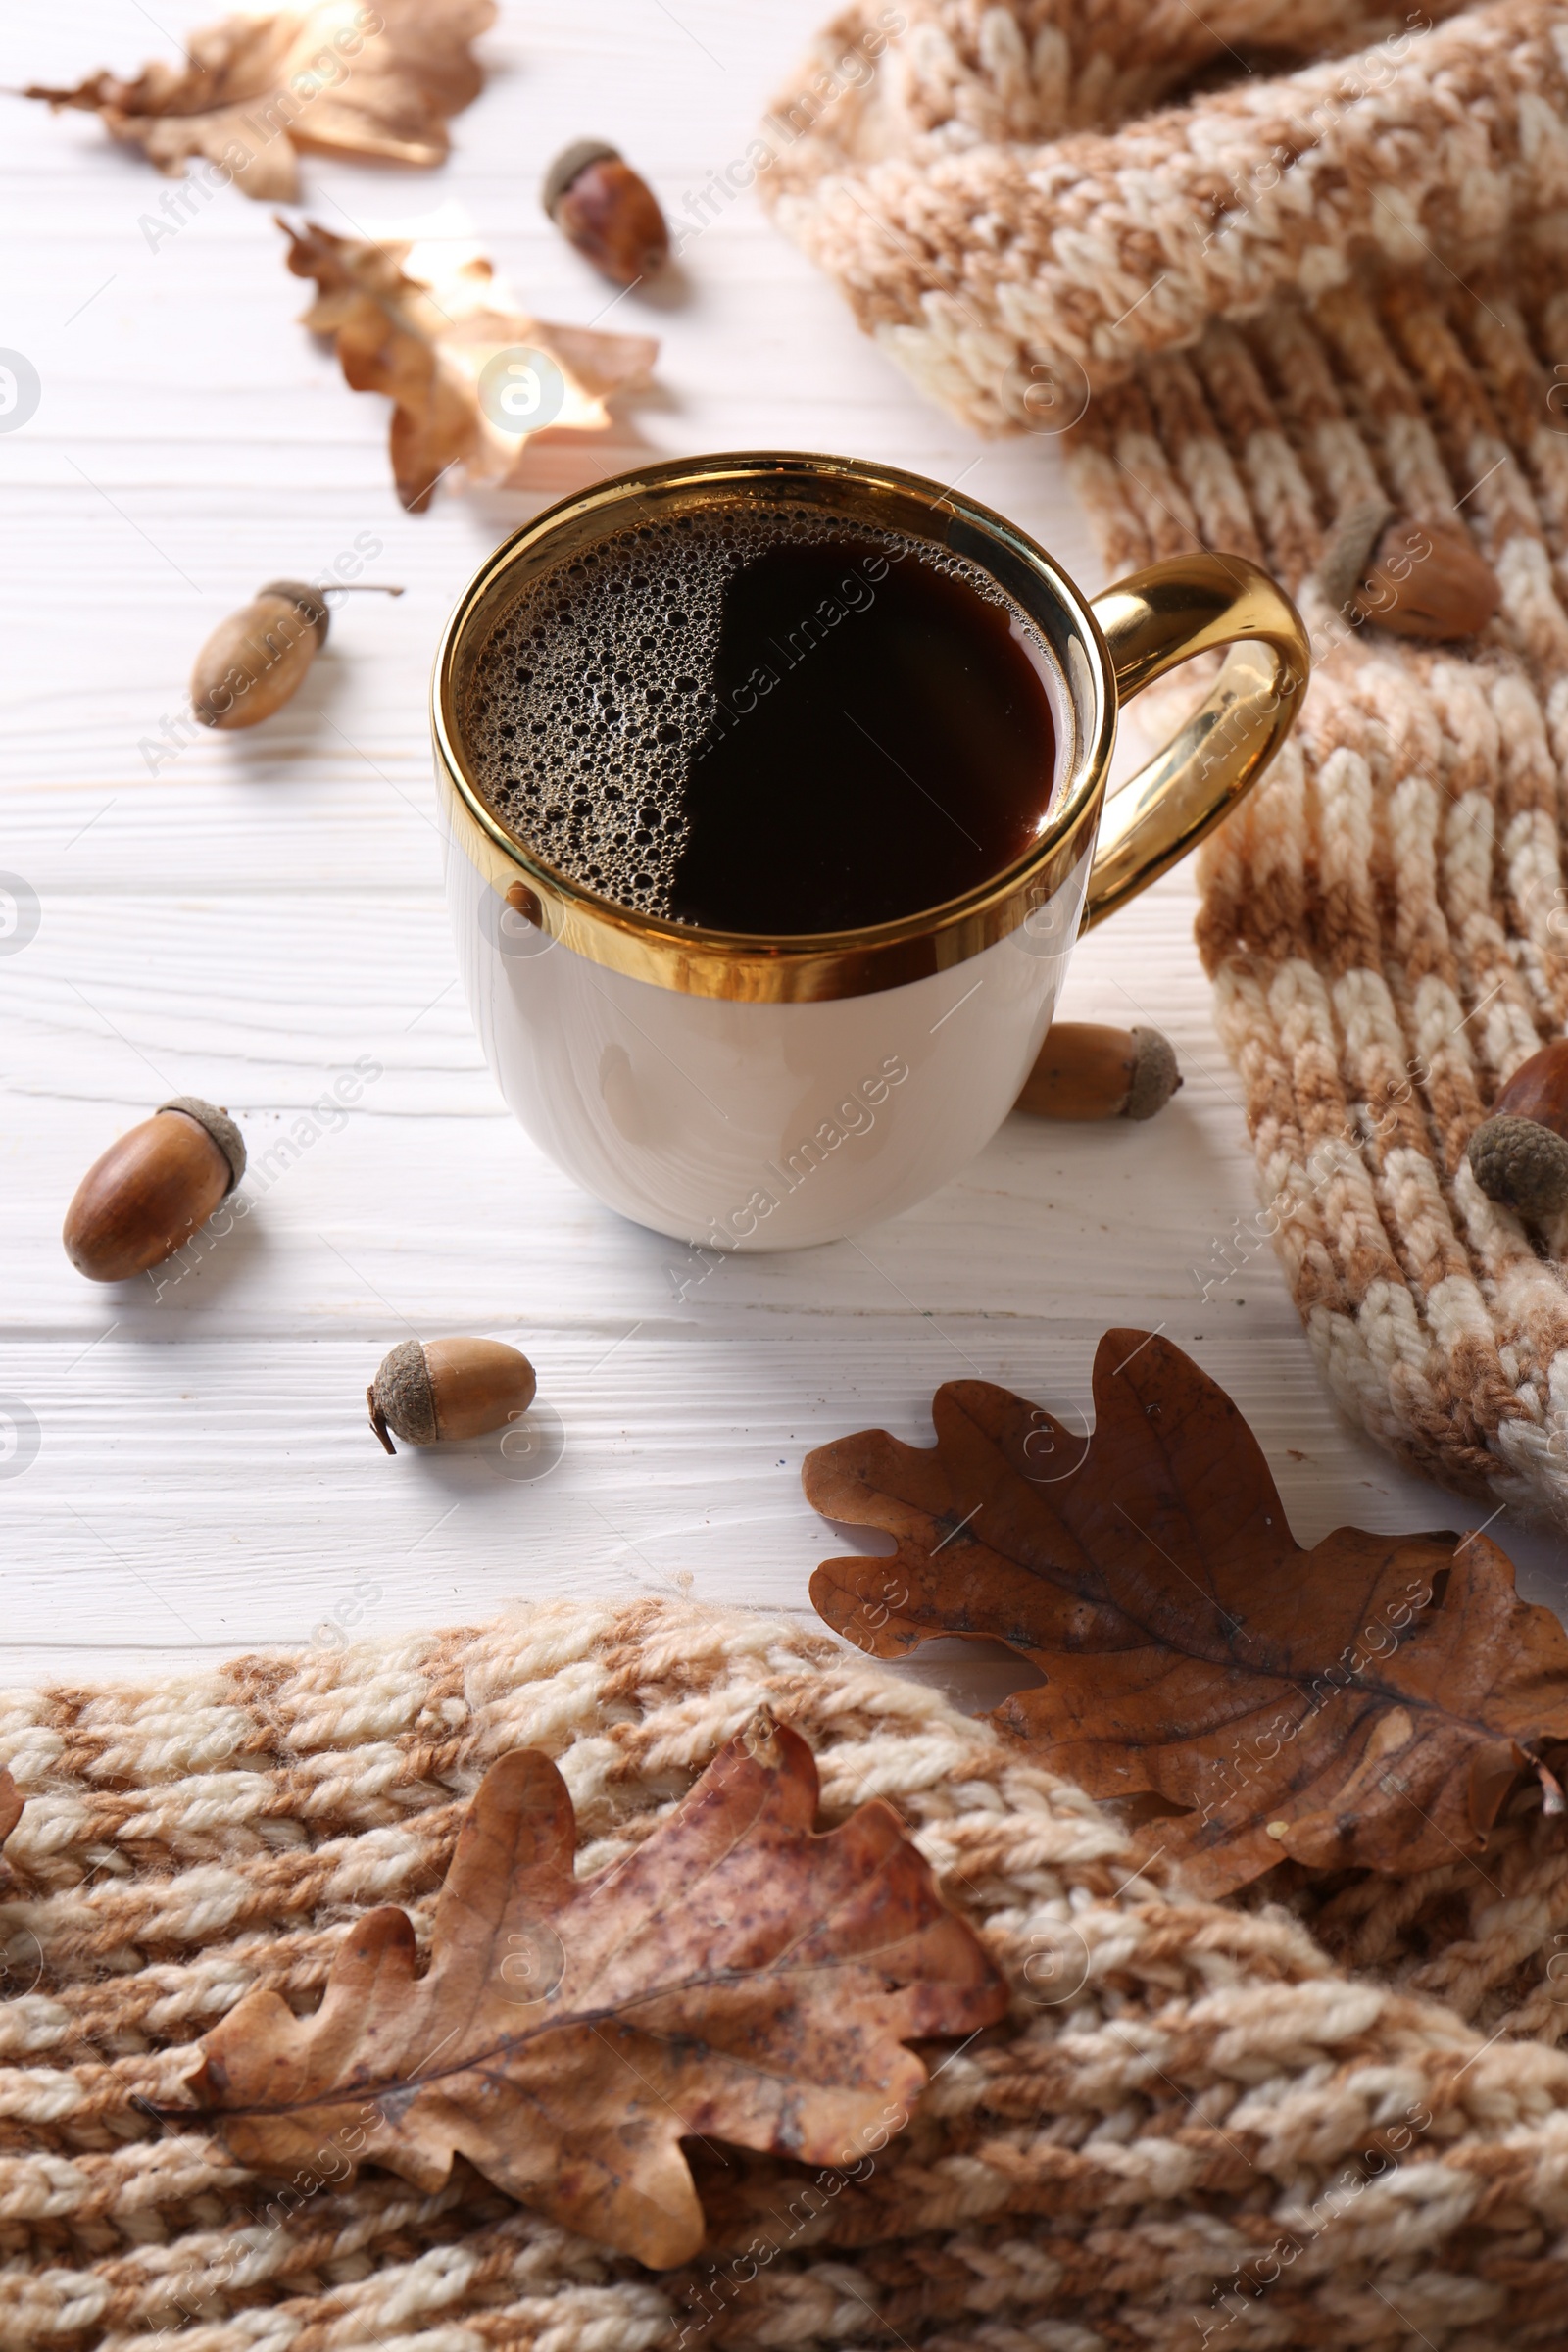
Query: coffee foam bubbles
<point x="592" y="698"/>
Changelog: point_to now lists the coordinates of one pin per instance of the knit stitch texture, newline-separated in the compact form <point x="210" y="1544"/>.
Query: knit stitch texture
<point x="1198" y="2124"/>
<point x="1264" y="265"/>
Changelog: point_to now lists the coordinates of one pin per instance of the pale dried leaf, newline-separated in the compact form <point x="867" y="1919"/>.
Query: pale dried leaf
<point x="419" y="320"/>
<point x="375" y="82"/>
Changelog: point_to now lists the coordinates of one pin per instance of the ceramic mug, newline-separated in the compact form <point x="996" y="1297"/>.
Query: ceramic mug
<point x="745" y="1093"/>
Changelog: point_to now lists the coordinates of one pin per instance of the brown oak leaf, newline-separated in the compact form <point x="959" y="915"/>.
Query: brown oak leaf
<point x="366" y="79"/>
<point x="421" y="320"/>
<point x="737" y="1976"/>
<point x="1371" y="1702"/>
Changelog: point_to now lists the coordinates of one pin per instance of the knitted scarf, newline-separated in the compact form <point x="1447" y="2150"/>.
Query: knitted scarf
<point x="1268" y="267"/>
<point x="1340" y="2123"/>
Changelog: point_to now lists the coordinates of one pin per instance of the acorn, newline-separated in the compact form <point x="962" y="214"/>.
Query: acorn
<point x="257" y="658"/>
<point x="153" y="1189"/>
<point x="1419" y="579"/>
<point x="606" y="211"/>
<point x="1087" y="1071"/>
<point x="1519" y="1156"/>
<point x="441" y="1389"/>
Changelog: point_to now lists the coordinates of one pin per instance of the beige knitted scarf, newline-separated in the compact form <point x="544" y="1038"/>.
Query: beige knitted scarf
<point x="1270" y="262"/>
<point x="1339" y="2123"/>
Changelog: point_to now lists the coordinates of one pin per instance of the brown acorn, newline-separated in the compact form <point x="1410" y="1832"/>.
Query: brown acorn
<point x="153" y="1189"/>
<point x="1519" y="1156"/>
<point x="444" y="1389"/>
<point x="257" y="658"/>
<point x="1419" y="579"/>
<point x="1087" y="1071"/>
<point x="606" y="211"/>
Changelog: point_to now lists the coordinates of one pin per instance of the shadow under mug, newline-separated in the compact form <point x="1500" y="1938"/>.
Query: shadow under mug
<point x="742" y="1093"/>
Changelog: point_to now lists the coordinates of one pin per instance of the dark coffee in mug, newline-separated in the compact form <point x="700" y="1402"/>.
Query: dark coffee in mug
<point x="752" y="720"/>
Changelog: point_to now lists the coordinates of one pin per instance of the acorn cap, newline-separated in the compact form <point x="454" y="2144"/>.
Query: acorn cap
<point x="568" y="164"/>
<point x="311" y="603"/>
<point x="219" y="1125"/>
<point x="1521" y="1164"/>
<point x="1156" y="1076"/>
<point x="401" y="1398"/>
<point x="1349" y="553"/>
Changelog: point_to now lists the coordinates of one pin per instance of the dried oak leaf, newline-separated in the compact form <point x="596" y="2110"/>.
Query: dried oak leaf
<point x="1373" y="1702"/>
<point x="420" y="319"/>
<point x="737" y="1976"/>
<point x="343" y="78"/>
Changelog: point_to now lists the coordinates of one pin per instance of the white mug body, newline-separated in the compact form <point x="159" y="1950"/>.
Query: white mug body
<point x="742" y="1093"/>
<point x="740" y="1125"/>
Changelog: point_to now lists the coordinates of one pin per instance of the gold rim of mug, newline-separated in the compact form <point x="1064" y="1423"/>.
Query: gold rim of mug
<point x="814" y="966"/>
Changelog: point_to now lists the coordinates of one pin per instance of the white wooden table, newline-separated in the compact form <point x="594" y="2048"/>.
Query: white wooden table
<point x="266" y="910"/>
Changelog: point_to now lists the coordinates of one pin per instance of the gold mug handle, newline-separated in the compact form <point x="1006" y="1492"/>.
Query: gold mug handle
<point x="1152" y="622"/>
